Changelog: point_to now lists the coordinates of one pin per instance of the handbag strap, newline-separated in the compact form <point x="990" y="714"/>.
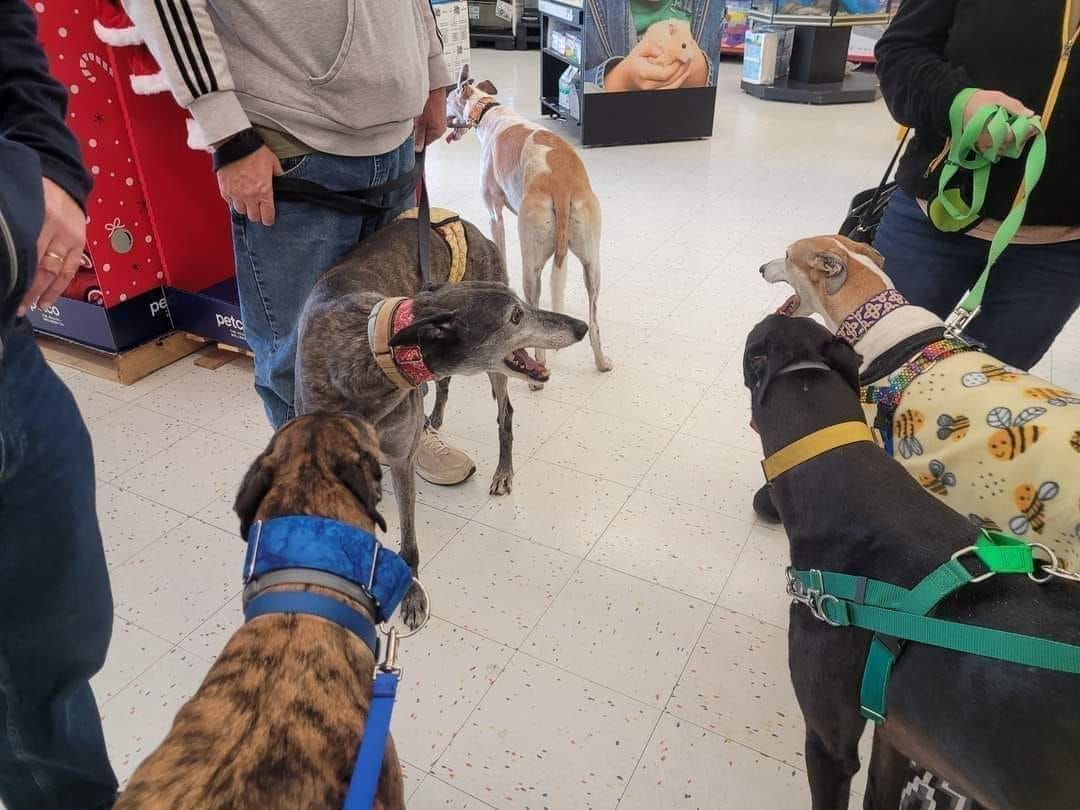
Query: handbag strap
<point x="884" y="180"/>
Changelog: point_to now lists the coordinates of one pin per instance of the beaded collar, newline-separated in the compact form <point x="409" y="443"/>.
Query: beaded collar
<point x="889" y="395"/>
<point x="858" y="323"/>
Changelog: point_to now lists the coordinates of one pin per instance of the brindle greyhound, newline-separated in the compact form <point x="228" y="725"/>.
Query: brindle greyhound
<point x="1002" y="733"/>
<point x="279" y="716"/>
<point x="474" y="327"/>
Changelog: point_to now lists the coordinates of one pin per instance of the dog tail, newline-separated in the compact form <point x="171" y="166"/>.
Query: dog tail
<point x="562" y="204"/>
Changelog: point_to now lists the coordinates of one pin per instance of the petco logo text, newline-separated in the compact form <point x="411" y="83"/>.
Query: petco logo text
<point x="230" y="322"/>
<point x="157" y="307"/>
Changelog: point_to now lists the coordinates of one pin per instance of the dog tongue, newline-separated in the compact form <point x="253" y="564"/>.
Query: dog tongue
<point x="526" y="360"/>
<point x="790" y="306"/>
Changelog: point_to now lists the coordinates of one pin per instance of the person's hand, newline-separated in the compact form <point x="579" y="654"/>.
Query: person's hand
<point x="59" y="248"/>
<point x="431" y="123"/>
<point x="980" y="98"/>
<point x="248" y="185"/>
<point x="639" y="71"/>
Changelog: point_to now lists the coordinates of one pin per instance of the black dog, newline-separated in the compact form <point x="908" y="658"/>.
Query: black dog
<point x="1004" y="734"/>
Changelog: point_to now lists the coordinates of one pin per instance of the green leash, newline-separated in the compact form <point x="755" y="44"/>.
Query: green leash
<point x="894" y="613"/>
<point x="951" y="213"/>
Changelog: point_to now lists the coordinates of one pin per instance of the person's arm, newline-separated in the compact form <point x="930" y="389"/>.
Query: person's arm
<point x="917" y="83"/>
<point x="33" y="104"/>
<point x="188" y="50"/>
<point x="439" y="77"/>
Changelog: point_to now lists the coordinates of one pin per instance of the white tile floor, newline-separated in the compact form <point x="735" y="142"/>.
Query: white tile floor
<point x="613" y="632"/>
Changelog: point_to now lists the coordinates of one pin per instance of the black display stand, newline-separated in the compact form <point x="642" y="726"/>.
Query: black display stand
<point x="615" y="119"/>
<point x="818" y="70"/>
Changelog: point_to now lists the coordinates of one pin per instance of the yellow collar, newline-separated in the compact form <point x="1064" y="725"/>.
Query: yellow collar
<point x="814" y="444"/>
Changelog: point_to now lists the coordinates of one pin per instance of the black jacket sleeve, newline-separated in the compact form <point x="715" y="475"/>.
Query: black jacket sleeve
<point x="918" y="84"/>
<point x="33" y="104"/>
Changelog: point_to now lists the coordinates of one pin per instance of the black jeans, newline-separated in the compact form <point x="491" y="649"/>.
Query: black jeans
<point x="1033" y="289"/>
<point x="55" y="601"/>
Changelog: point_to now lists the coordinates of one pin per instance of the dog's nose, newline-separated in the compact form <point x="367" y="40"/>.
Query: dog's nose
<point x="762" y="269"/>
<point x="580" y="329"/>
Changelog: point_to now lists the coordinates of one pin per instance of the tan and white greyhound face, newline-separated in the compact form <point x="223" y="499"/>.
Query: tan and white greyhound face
<point x="462" y="99"/>
<point x="832" y="276"/>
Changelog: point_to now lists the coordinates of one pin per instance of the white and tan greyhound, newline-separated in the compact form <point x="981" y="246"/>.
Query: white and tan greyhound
<point x="541" y="179"/>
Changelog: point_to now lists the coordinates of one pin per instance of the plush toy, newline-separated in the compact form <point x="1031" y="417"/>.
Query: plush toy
<point x="674" y="37"/>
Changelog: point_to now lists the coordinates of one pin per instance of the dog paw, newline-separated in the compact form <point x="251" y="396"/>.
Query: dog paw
<point x="502" y="483"/>
<point x="536" y="386"/>
<point x="414" y="608"/>
<point x="605" y="364"/>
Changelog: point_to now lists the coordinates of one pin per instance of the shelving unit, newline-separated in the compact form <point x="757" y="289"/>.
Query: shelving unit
<point x="612" y="118"/>
<point x="818" y="72"/>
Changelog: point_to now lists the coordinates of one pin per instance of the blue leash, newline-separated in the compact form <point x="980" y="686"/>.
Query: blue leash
<point x="365" y="778"/>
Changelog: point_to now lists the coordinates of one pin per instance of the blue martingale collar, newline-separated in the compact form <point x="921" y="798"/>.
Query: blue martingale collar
<point x="321" y="544"/>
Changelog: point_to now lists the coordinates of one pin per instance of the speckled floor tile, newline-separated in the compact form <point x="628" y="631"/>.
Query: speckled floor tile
<point x="756" y="586"/>
<point x="447" y="671"/>
<point x="737" y="684"/>
<point x="663" y="401"/>
<point x="131" y="650"/>
<point x="129" y="436"/>
<point x="535" y="418"/>
<point x="139" y="717"/>
<point x="629" y="635"/>
<point x="209" y="638"/>
<point x="673" y="544"/>
<point x="196" y="470"/>
<point x="620" y="450"/>
<point x="495" y="584"/>
<point x="245" y="421"/>
<point x="204" y="395"/>
<point x="723" y="415"/>
<point x="175" y="584"/>
<point x="560" y="508"/>
<point x="435" y="794"/>
<point x="707" y="474"/>
<point x="688" y="768"/>
<point x="546" y="738"/>
<point x="129" y="522"/>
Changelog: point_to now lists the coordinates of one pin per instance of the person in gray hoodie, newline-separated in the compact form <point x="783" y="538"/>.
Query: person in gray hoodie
<point x="336" y="92"/>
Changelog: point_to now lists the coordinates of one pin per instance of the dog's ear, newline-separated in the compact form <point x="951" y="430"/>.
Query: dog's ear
<point x="842" y="358"/>
<point x="464" y="75"/>
<point x="833" y="266"/>
<point x="253" y="489"/>
<point x="362" y="475"/>
<point x="864" y="249"/>
<point x="439" y="326"/>
<point x="487" y="87"/>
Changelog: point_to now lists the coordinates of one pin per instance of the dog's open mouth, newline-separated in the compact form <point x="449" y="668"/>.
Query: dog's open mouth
<point x="791" y="306"/>
<point x="521" y="362"/>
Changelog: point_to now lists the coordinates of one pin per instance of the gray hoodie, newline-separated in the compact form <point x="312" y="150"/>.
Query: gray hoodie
<point x="346" y="77"/>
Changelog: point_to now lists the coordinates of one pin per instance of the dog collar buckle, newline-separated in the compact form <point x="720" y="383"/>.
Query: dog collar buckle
<point x="249" y="571"/>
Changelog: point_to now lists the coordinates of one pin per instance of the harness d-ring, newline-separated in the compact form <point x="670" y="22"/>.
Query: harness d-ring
<point x="427" y="615"/>
<point x="1048" y="569"/>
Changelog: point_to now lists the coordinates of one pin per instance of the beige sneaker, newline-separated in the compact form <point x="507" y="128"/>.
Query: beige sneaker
<point x="439" y="463"/>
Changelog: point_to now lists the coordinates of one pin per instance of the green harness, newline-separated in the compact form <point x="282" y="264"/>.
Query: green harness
<point x="896" y="614"/>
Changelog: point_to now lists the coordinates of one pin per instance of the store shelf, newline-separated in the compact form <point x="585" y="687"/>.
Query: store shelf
<point x="553" y="107"/>
<point x="565" y="59"/>
<point x="823" y="21"/>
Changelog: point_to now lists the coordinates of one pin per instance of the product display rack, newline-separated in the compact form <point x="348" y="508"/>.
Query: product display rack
<point x="818" y="70"/>
<point x="608" y="118"/>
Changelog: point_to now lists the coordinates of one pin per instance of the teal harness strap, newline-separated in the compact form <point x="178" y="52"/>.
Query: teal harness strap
<point x="894" y="613"/>
<point x="950" y="213"/>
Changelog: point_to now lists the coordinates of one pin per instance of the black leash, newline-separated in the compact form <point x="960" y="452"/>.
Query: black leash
<point x="423" y="224"/>
<point x="359" y="201"/>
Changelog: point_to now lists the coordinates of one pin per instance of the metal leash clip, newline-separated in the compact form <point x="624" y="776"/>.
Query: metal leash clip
<point x="390" y="659"/>
<point x="1051" y="568"/>
<point x="959" y="319"/>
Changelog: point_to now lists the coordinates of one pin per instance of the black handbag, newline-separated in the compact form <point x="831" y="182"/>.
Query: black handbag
<point x="868" y="206"/>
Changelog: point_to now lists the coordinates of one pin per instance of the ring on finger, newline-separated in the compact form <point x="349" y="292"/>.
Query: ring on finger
<point x="52" y="254"/>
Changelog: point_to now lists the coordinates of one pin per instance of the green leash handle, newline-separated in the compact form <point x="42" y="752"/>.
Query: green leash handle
<point x="950" y="213"/>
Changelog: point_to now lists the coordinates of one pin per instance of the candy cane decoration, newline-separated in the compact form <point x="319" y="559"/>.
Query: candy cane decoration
<point x="88" y="59"/>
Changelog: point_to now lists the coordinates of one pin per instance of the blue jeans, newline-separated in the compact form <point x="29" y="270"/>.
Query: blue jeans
<point x="55" y="601"/>
<point x="1032" y="293"/>
<point x="277" y="267"/>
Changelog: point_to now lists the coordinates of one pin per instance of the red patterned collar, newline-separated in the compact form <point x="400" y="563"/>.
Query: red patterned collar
<point x="480" y="109"/>
<point x="404" y="365"/>
<point x="858" y="323"/>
